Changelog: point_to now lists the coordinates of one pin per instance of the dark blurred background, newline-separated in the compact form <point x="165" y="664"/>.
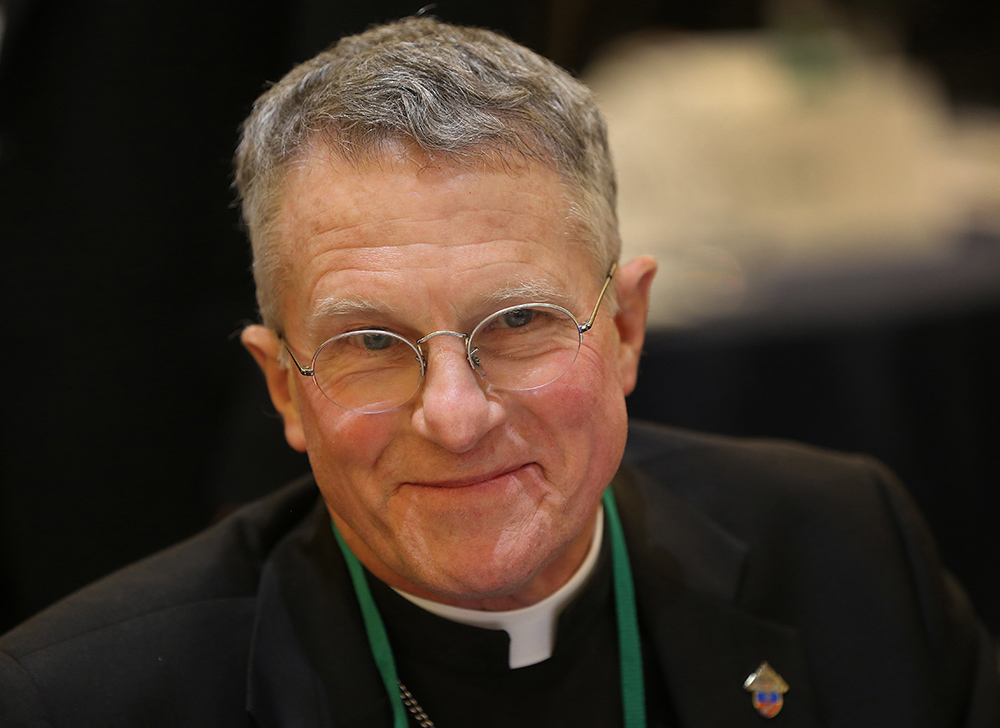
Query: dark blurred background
<point x="131" y="416"/>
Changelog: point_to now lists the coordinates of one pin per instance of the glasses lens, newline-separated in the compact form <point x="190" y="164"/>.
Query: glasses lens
<point x="525" y="347"/>
<point x="367" y="371"/>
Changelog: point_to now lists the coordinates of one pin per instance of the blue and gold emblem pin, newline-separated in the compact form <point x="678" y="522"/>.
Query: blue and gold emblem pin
<point x="768" y="689"/>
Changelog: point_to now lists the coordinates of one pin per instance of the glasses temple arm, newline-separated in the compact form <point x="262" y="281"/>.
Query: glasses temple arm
<point x="589" y="323"/>
<point x="304" y="371"/>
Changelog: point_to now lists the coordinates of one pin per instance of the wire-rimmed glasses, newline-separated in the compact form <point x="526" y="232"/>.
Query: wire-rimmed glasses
<point x="520" y="347"/>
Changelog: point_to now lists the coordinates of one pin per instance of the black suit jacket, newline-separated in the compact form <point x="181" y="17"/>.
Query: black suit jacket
<point x="742" y="552"/>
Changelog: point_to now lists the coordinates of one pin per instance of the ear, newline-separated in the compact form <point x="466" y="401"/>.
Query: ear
<point x="265" y="347"/>
<point x="632" y="283"/>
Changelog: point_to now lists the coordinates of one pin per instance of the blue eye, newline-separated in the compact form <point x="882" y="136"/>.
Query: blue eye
<point x="518" y="318"/>
<point x="377" y="342"/>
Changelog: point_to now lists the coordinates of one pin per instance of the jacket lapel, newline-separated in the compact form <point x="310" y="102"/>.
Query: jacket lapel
<point x="687" y="572"/>
<point x="310" y="663"/>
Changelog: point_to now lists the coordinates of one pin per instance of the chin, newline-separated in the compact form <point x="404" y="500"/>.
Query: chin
<point x="474" y="575"/>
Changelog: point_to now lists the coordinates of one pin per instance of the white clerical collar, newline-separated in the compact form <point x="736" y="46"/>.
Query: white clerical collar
<point x="532" y="629"/>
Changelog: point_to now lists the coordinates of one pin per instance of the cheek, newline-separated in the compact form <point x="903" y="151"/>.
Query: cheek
<point x="595" y="385"/>
<point x="342" y="446"/>
<point x="584" y="412"/>
<point x="344" y="452"/>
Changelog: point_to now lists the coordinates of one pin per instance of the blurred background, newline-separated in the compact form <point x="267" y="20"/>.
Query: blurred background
<point x="820" y="181"/>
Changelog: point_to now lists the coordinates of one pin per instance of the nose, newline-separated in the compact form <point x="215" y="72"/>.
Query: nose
<point x="454" y="407"/>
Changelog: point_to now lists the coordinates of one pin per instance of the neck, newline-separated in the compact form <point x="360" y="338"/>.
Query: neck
<point x="541" y="585"/>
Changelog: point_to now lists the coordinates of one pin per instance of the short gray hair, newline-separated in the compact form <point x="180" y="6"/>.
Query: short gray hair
<point x="465" y="94"/>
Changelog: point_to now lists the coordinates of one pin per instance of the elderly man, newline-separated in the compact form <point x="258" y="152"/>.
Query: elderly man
<point x="447" y="334"/>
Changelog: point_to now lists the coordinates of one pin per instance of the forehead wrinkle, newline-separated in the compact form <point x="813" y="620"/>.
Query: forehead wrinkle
<point x="322" y="215"/>
<point x="498" y="223"/>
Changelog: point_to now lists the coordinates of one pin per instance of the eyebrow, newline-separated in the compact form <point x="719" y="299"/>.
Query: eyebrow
<point x="327" y="308"/>
<point x="528" y="291"/>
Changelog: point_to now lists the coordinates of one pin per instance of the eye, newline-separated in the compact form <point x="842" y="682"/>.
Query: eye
<point x="516" y="319"/>
<point x="365" y="341"/>
<point x="376" y="342"/>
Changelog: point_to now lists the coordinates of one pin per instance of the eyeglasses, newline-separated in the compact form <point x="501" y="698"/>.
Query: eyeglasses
<point x="517" y="348"/>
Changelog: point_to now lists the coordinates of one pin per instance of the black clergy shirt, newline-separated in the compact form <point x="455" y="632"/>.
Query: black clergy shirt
<point x="460" y="674"/>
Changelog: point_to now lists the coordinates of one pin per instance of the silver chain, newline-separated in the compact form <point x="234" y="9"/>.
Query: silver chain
<point x="414" y="707"/>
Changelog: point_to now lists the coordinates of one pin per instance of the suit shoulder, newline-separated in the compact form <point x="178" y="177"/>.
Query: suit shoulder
<point x="780" y="493"/>
<point x="222" y="563"/>
<point x="712" y="468"/>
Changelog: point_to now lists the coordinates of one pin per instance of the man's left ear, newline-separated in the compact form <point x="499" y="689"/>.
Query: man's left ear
<point x="632" y="284"/>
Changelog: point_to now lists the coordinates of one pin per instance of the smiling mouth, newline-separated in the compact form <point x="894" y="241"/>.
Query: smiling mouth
<point x="472" y="480"/>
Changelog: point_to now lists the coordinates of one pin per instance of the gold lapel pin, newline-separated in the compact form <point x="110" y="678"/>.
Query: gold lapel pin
<point x="768" y="690"/>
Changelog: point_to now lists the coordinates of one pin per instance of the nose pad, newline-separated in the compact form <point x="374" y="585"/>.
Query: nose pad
<point x="476" y="362"/>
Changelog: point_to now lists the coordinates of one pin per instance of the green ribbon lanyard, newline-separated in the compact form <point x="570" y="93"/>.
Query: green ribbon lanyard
<point x="629" y="649"/>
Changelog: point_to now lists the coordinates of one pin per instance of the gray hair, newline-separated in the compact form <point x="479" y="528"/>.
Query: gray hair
<point x="465" y="94"/>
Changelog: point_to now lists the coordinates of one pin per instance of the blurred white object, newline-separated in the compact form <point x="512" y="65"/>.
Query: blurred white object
<point x="736" y="156"/>
<point x="977" y="151"/>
